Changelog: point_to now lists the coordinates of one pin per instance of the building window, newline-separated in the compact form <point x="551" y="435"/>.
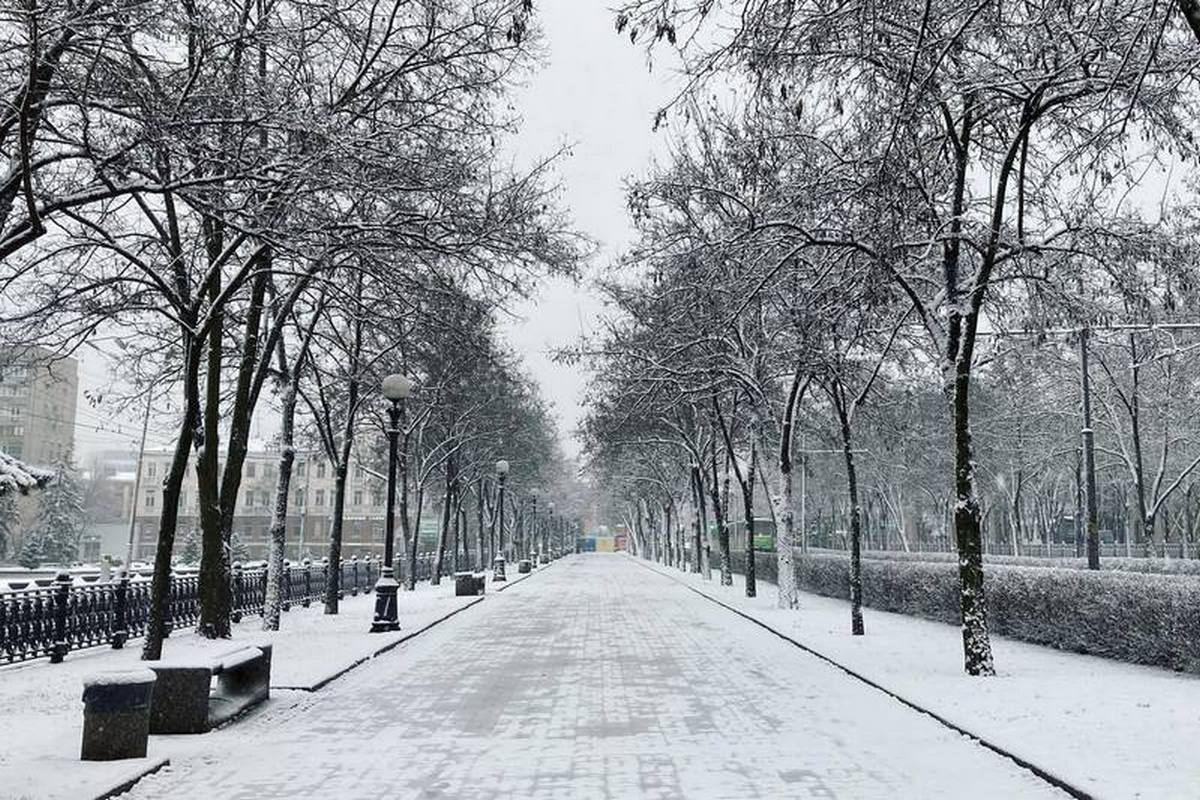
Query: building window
<point x="149" y="499"/>
<point x="320" y="499"/>
<point x="358" y="471"/>
<point x="358" y="498"/>
<point x="183" y="498"/>
<point x="377" y="497"/>
<point x="300" y="469"/>
<point x="264" y="499"/>
<point x="250" y="470"/>
<point x="300" y="498"/>
<point x="320" y="470"/>
<point x="249" y="498"/>
<point x="151" y="468"/>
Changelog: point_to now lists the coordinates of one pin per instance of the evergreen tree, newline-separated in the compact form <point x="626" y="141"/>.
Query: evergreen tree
<point x="237" y="549"/>
<point x="191" y="546"/>
<point x="10" y="521"/>
<point x="30" y="555"/>
<point x="59" y="524"/>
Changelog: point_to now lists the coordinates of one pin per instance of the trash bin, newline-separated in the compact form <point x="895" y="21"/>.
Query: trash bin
<point x="524" y="565"/>
<point x="464" y="584"/>
<point x="116" y="714"/>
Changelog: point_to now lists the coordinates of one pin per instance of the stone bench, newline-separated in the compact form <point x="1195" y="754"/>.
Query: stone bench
<point x="187" y="701"/>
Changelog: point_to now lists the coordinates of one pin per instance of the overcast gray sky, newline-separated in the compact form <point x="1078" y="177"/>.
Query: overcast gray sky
<point x="596" y="94"/>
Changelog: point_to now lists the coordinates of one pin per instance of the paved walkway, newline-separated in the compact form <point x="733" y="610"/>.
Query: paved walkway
<point x="596" y="679"/>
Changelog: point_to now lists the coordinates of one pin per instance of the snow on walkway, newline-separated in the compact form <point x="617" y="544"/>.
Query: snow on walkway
<point x="41" y="713"/>
<point x="1113" y="729"/>
<point x="598" y="680"/>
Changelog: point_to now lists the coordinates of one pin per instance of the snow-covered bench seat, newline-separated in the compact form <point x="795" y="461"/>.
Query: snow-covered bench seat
<point x="186" y="700"/>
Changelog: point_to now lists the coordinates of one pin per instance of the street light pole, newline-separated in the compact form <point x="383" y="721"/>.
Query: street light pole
<point x="395" y="388"/>
<point x="498" y="561"/>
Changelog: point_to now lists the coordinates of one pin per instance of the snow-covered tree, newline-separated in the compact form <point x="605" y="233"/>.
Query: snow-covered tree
<point x="30" y="555"/>
<point x="237" y="548"/>
<point x="55" y="535"/>
<point x="9" y="522"/>
<point x="191" y="547"/>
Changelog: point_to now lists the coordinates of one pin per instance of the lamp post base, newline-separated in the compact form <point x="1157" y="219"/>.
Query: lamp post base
<point x="498" y="570"/>
<point x="386" y="588"/>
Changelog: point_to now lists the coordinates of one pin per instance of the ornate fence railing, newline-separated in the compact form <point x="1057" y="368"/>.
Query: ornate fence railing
<point x="57" y="615"/>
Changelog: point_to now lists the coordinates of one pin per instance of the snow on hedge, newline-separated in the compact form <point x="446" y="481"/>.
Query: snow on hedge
<point x="17" y="476"/>
<point x="1134" y="617"/>
<point x="1162" y="566"/>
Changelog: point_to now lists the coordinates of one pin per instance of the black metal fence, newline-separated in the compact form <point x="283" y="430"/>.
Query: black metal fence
<point x="56" y="616"/>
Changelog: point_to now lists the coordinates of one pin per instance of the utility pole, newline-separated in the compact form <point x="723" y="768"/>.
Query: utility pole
<point x="1089" y="456"/>
<point x="137" y="484"/>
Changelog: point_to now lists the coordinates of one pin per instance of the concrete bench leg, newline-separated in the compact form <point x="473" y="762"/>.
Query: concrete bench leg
<point x="181" y="700"/>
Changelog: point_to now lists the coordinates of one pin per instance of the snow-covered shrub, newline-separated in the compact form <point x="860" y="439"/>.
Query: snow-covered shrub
<point x="1160" y="566"/>
<point x="1140" y="618"/>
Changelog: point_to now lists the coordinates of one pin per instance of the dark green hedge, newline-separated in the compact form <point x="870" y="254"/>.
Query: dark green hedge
<point x="1157" y="566"/>
<point x="1139" y="618"/>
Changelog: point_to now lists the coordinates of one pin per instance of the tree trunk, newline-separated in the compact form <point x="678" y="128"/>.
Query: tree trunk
<point x="416" y="539"/>
<point x="333" y="572"/>
<point x="856" y="618"/>
<point x="161" y="582"/>
<point x="278" y="543"/>
<point x="977" y="648"/>
<point x="700" y="522"/>
<point x="214" y="581"/>
<point x="719" y="518"/>
<point x="443" y="534"/>
<point x="748" y="504"/>
<point x="483" y="549"/>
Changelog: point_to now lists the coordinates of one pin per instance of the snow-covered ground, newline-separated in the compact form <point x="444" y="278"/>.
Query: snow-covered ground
<point x="597" y="680"/>
<point x="1113" y="729"/>
<point x="41" y="711"/>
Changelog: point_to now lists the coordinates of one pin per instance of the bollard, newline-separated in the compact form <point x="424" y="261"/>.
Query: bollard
<point x="62" y="598"/>
<point x="286" y="600"/>
<point x="120" y="633"/>
<point x="498" y="569"/>
<point x="354" y="576"/>
<point x="307" y="583"/>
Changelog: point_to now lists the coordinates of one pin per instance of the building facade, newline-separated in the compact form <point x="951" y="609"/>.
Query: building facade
<point x="37" y="406"/>
<point x="310" y="507"/>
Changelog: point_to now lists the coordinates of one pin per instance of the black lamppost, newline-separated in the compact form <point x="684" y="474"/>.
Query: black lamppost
<point x="544" y="554"/>
<point x="532" y="536"/>
<point x="395" y="388"/>
<point x="498" y="561"/>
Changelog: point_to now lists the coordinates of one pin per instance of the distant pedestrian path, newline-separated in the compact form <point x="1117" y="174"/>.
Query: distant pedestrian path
<point x="595" y="679"/>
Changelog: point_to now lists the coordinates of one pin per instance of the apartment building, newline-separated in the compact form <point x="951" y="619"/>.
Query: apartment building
<point x="37" y="405"/>
<point x="310" y="506"/>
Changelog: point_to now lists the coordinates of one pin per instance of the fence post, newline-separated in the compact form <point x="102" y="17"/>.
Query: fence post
<point x="307" y="583"/>
<point x="285" y="600"/>
<point x="169" y="605"/>
<point x="235" y="613"/>
<point x="62" y="597"/>
<point x="325" y="576"/>
<point x="121" y="610"/>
